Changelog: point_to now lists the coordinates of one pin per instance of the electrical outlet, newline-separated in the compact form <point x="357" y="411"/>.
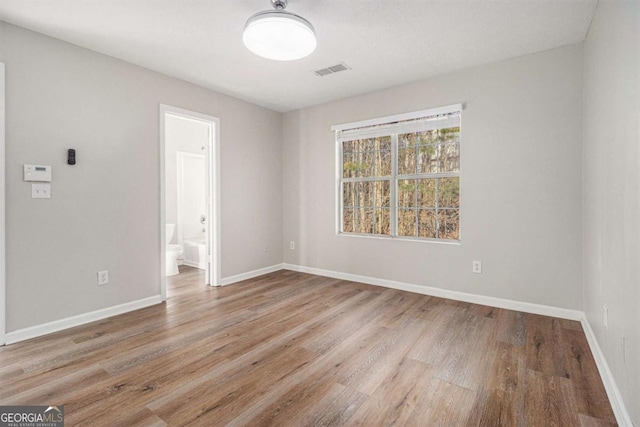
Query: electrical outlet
<point x="605" y="320"/>
<point x="477" y="267"/>
<point x="292" y="245"/>
<point x="624" y="348"/>
<point x="266" y="248"/>
<point x="103" y="277"/>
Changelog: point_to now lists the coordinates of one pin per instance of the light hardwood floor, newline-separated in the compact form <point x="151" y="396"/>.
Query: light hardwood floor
<point x="293" y="349"/>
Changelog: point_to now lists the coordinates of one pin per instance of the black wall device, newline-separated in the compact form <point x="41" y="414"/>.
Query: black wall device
<point x="71" y="156"/>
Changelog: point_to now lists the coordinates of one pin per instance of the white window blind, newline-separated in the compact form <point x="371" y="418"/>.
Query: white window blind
<point x="450" y="120"/>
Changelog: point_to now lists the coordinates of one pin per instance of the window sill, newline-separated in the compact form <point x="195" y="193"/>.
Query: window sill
<point x="402" y="239"/>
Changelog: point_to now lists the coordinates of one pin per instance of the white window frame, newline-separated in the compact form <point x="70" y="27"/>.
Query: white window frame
<point x="389" y="126"/>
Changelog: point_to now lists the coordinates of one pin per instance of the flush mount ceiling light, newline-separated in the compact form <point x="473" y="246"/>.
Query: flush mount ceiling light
<point x="279" y="35"/>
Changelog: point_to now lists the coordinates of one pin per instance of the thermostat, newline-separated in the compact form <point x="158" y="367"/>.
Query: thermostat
<point x="38" y="173"/>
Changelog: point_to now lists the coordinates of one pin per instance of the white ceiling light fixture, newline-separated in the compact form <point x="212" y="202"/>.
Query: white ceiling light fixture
<point x="279" y="35"/>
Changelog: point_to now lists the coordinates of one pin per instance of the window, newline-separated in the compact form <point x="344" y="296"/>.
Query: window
<point x="399" y="176"/>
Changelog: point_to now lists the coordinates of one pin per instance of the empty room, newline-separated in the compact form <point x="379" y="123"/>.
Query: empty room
<point x="320" y="213"/>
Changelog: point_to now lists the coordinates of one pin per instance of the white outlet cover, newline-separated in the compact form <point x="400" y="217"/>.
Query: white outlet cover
<point x="40" y="191"/>
<point x="477" y="267"/>
<point x="103" y="278"/>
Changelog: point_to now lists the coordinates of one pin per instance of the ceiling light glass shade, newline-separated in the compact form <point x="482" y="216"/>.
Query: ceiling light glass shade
<point x="279" y="35"/>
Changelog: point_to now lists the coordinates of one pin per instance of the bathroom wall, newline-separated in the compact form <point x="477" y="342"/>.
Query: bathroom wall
<point x="181" y="135"/>
<point x="611" y="191"/>
<point x="104" y="211"/>
<point x="520" y="183"/>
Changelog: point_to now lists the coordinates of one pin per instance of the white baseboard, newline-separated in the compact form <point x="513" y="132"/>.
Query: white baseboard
<point x="81" y="319"/>
<point x="250" y="274"/>
<point x="617" y="404"/>
<point x="545" y="310"/>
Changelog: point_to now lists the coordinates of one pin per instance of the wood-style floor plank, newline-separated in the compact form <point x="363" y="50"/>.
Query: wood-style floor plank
<point x="500" y="400"/>
<point x="293" y="349"/>
<point x="442" y="404"/>
<point x="393" y="402"/>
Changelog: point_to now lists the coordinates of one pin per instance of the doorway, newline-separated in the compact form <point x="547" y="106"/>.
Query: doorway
<point x="2" y="212"/>
<point x="189" y="202"/>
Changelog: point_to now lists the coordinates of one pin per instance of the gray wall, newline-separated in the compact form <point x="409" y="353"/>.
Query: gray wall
<point x="104" y="214"/>
<point x="520" y="184"/>
<point x="611" y="190"/>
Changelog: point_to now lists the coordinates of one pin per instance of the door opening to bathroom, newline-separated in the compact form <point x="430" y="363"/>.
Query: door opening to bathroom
<point x="189" y="217"/>
<point x="2" y="210"/>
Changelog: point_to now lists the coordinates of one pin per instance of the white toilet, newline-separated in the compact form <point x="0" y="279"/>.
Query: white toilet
<point x="172" y="252"/>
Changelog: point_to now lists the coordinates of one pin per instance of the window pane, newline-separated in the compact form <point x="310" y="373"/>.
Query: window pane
<point x="382" y="194"/>
<point x="365" y="194"/>
<point x="367" y="157"/>
<point x="383" y="143"/>
<point x="449" y="192"/>
<point x="368" y="144"/>
<point x="348" y="147"/>
<point x="349" y="194"/>
<point x="407" y="161"/>
<point x="427" y="223"/>
<point x="427" y="137"/>
<point x="383" y="163"/>
<point x="383" y="221"/>
<point x="449" y="135"/>
<point x="366" y="165"/>
<point x="349" y="165"/>
<point x="407" y="193"/>
<point x="365" y="221"/>
<point x="406" y="140"/>
<point x="426" y="193"/>
<point x="449" y="224"/>
<point x="407" y="222"/>
<point x="427" y="158"/>
<point x="450" y="157"/>
<point x="348" y="220"/>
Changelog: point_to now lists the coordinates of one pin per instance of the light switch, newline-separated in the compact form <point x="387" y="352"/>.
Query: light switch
<point x="40" y="191"/>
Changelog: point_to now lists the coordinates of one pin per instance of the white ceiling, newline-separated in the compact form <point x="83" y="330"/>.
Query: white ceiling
<point x="386" y="43"/>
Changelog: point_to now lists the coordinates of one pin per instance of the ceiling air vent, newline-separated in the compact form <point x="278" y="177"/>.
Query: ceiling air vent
<point x="332" y="69"/>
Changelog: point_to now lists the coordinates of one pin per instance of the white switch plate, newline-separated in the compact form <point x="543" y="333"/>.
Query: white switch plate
<point x="40" y="191"/>
<point x="292" y="245"/>
<point x="605" y="320"/>
<point x="477" y="267"/>
<point x="103" y="277"/>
